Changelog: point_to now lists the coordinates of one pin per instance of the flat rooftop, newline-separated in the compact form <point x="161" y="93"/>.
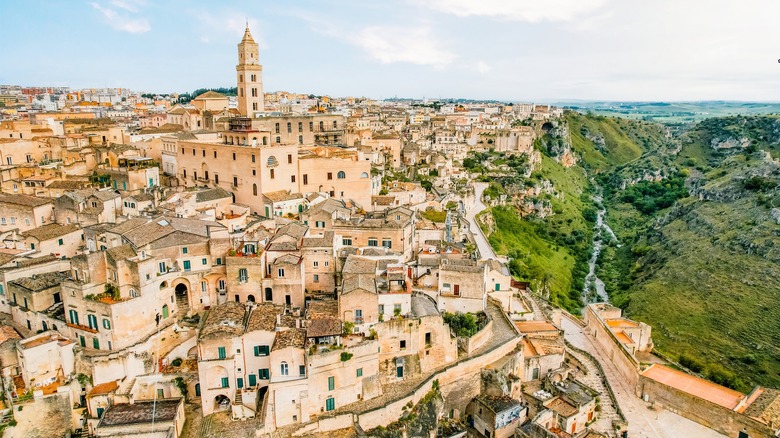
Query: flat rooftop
<point x="704" y="389"/>
<point x="535" y="326"/>
<point x="621" y="323"/>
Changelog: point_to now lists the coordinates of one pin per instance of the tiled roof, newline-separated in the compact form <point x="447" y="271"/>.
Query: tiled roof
<point x="224" y="321"/>
<point x="263" y="317"/>
<point x="103" y="388"/>
<point x="24" y="200"/>
<point x="7" y="333"/>
<point x="282" y="195"/>
<point x="212" y="194"/>
<point x="211" y="95"/>
<point x="40" y="282"/>
<point x="289" y="338"/>
<point x="50" y="231"/>
<point x="352" y="283"/>
<point x="140" y="412"/>
<point x="319" y="242"/>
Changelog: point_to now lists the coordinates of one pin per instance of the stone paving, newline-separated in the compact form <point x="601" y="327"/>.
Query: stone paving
<point x="643" y="420"/>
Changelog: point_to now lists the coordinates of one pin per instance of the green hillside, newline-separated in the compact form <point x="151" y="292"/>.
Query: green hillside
<point x="704" y="270"/>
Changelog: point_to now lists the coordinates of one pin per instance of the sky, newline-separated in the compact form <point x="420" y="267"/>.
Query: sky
<point x="518" y="50"/>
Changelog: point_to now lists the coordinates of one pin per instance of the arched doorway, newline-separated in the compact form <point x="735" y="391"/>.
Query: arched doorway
<point x="221" y="403"/>
<point x="269" y="294"/>
<point x="250" y="298"/>
<point x="182" y="296"/>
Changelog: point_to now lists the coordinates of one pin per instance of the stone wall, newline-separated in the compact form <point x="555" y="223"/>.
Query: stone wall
<point x="719" y="418"/>
<point x="626" y="365"/>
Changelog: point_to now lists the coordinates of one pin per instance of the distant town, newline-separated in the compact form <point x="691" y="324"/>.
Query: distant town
<point x="284" y="264"/>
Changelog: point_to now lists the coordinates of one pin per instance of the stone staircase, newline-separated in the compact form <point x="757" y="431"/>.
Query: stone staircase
<point x="239" y="398"/>
<point x="596" y="380"/>
<point x="183" y="304"/>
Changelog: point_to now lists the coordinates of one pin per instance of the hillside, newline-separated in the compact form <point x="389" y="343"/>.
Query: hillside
<point x="700" y="252"/>
<point x="551" y="247"/>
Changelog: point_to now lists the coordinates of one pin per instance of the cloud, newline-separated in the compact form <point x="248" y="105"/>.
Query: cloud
<point x="390" y="45"/>
<point x="129" y="5"/>
<point x="482" y="67"/>
<point x="122" y="23"/>
<point x="515" y="10"/>
<point x="228" y="26"/>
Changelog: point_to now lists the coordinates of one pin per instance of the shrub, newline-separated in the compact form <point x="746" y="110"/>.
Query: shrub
<point x="348" y="328"/>
<point x="345" y="356"/>
<point x="691" y="363"/>
<point x="176" y="362"/>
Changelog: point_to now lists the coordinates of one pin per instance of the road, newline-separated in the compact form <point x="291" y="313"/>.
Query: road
<point x="485" y="250"/>
<point x="643" y="422"/>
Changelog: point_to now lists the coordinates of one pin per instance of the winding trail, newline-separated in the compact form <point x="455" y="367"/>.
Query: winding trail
<point x="485" y="250"/>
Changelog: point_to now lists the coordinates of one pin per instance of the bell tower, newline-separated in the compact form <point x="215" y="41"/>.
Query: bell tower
<point x="250" y="76"/>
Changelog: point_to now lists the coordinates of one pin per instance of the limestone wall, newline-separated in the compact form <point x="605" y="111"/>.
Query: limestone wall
<point x="626" y="365"/>
<point x="709" y="414"/>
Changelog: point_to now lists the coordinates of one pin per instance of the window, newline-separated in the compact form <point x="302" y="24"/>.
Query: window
<point x="225" y="382"/>
<point x="300" y="139"/>
<point x="364" y="175"/>
<point x="106" y="324"/>
<point x="316" y="264"/>
<point x="184" y="250"/>
<point x="263" y="374"/>
<point x="162" y="268"/>
<point x="311" y="126"/>
<point x="254" y="187"/>
<point x="289" y="127"/>
<point x="330" y="175"/>
<point x="219" y="261"/>
<point x="215" y="154"/>
<point x="204" y="261"/>
<point x="381" y="309"/>
<point x="428" y="339"/>
<point x="403" y="344"/>
<point x="252" y="380"/>
<point x="234" y="156"/>
<point x="239" y="383"/>
<point x="261" y="350"/>
<point x="331" y="383"/>
<point x="335" y="125"/>
<point x="60" y="242"/>
<point x="204" y="286"/>
<point x="300" y="126"/>
<point x="330" y="404"/>
<point x="397" y="308"/>
<point x="319" y="224"/>
<point x="302" y="370"/>
<point x="341" y="174"/>
<point x="243" y="276"/>
<point x="235" y="181"/>
<point x="372" y="241"/>
<point x="305" y="179"/>
<point x="277" y="128"/>
<point x="316" y="278"/>
<point x="96" y="343"/>
<point x="360" y="372"/>
<point x="289" y="158"/>
<point x="272" y="174"/>
<point x="284" y="369"/>
<point x="359" y="315"/>
<point x="292" y="178"/>
<point x="346" y="241"/>
<point x="92" y="321"/>
<point x="269" y="294"/>
<point x="280" y="272"/>
<point x="387" y="243"/>
<point x="187" y="266"/>
<point x="278" y="139"/>
<point x="221" y="353"/>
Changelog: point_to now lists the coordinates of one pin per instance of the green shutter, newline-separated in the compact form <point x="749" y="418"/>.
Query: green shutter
<point x="225" y="382"/>
<point x="252" y="380"/>
<point x="257" y="350"/>
<point x="360" y="372"/>
<point x="264" y="374"/>
<point x="330" y="404"/>
<point x="221" y="352"/>
<point x="96" y="343"/>
<point x="239" y="383"/>
<point x="331" y="383"/>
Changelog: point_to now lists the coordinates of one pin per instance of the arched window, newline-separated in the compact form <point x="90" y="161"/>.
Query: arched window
<point x="272" y="160"/>
<point x="133" y="293"/>
<point x="285" y="370"/>
<point x="163" y="285"/>
<point x="364" y="175"/>
<point x="251" y="298"/>
<point x="341" y="175"/>
<point x="254" y="189"/>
